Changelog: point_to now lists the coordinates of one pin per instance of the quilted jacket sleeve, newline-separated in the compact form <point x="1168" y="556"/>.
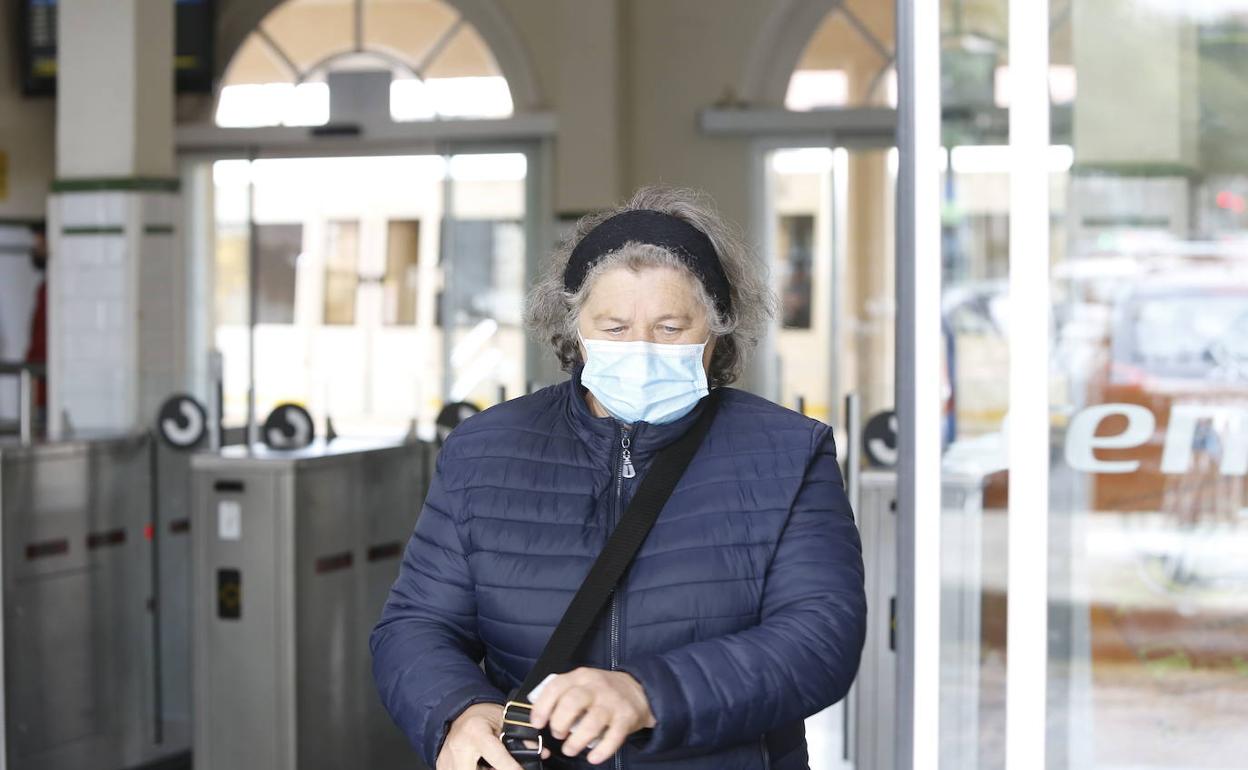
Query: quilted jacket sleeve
<point x="801" y="657"/>
<point x="425" y="647"/>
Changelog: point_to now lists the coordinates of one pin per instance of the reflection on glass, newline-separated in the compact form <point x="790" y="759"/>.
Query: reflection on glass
<point x="1148" y="381"/>
<point x="830" y="219"/>
<point x="486" y="289"/>
<point x="795" y="235"/>
<point x="1152" y="663"/>
<point x="801" y="207"/>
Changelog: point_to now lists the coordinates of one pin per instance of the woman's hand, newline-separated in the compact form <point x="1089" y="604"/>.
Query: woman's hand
<point x="474" y="737"/>
<point x="610" y="704"/>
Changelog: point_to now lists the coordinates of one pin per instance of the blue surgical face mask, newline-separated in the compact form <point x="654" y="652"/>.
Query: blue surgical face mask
<point x="646" y="381"/>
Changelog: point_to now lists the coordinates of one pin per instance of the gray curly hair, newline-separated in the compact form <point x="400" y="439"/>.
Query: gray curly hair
<point x="551" y="312"/>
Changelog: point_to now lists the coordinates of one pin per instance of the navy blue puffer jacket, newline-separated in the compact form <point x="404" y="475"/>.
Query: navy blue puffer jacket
<point x="742" y="614"/>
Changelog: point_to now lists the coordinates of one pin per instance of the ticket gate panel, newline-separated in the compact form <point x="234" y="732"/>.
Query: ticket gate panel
<point x="79" y="628"/>
<point x="239" y="625"/>
<point x="328" y="523"/>
<point x="119" y="558"/>
<point x="392" y="511"/>
<point x="307" y="539"/>
<point x="172" y="537"/>
<point x="875" y="690"/>
<point x="876" y="685"/>
<point x="53" y="685"/>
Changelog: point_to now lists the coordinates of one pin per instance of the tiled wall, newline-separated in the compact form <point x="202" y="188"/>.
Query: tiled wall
<point x="114" y="301"/>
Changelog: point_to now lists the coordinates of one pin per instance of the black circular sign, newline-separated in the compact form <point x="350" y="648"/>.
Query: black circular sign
<point x="879" y="440"/>
<point x="452" y="415"/>
<point x="182" y="421"/>
<point x="289" y="427"/>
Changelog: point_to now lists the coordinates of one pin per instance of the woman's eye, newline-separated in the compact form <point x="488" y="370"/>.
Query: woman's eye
<point x="614" y="330"/>
<point x="670" y="330"/>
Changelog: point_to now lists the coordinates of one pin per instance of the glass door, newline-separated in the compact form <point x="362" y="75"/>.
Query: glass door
<point x="1149" y="381"/>
<point x="1129" y="218"/>
<point x="385" y="286"/>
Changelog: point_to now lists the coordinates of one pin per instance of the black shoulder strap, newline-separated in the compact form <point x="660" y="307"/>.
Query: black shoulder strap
<point x="665" y="471"/>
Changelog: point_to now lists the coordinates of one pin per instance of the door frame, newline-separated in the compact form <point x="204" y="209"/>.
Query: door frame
<point x="918" y="369"/>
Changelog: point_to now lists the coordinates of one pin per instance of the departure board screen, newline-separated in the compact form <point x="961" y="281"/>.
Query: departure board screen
<point x="192" y="47"/>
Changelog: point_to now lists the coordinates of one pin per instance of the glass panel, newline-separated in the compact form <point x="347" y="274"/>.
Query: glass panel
<point x="441" y="65"/>
<point x="801" y="209"/>
<point x="1148" y="386"/>
<point x="402" y="271"/>
<point x="461" y="81"/>
<point x="876" y="19"/>
<point x="830" y="215"/>
<point x="271" y="104"/>
<point x="342" y="271"/>
<point x="309" y="30"/>
<point x="974" y="390"/>
<point x="1149" y="581"/>
<point x="867" y="292"/>
<point x="466" y="97"/>
<point x="847" y="61"/>
<point x="254" y="63"/>
<point x="465" y="56"/>
<point x="407" y="29"/>
<point x="975" y="396"/>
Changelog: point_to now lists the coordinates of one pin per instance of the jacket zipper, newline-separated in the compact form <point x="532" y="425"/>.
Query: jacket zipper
<point x="762" y="742"/>
<point x="624" y="471"/>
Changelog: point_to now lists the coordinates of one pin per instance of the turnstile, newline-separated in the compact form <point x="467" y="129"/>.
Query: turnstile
<point x="85" y="683"/>
<point x="294" y="554"/>
<point x="875" y="690"/>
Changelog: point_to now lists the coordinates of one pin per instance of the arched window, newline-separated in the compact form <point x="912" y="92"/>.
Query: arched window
<point x="849" y="60"/>
<point x="440" y="67"/>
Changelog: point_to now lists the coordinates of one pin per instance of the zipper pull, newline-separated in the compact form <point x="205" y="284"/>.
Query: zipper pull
<point x="627" y="469"/>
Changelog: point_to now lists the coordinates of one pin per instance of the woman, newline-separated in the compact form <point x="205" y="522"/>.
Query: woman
<point x="743" y="612"/>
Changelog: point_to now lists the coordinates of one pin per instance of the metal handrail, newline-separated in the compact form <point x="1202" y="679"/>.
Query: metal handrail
<point x="17" y="367"/>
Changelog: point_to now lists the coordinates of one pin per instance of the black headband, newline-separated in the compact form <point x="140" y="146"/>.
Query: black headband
<point x="656" y="229"/>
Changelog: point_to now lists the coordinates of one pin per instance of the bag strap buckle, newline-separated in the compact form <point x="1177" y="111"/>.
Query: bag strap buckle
<point x="525" y="716"/>
<point x="518" y="730"/>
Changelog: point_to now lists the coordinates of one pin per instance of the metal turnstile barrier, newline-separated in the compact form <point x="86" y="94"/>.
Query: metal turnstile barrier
<point x="84" y="684"/>
<point x="294" y="553"/>
<point x="875" y="690"/>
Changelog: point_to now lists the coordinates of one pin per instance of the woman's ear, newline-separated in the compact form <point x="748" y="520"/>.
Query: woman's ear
<point x="580" y="342"/>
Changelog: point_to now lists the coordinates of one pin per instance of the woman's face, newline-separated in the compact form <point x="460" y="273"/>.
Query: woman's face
<point x="654" y="304"/>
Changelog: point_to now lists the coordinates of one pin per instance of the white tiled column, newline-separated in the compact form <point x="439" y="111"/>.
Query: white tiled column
<point x="115" y="285"/>
<point x="114" y="297"/>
